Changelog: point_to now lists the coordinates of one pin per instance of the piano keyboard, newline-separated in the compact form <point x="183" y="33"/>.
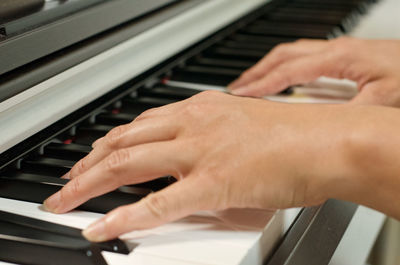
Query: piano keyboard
<point x="31" y="170"/>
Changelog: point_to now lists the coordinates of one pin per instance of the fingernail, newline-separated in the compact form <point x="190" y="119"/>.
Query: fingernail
<point x="67" y="175"/>
<point x="96" y="232"/>
<point x="52" y="203"/>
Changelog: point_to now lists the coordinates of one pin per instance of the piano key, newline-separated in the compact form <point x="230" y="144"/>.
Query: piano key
<point x="266" y="28"/>
<point x="310" y="10"/>
<point x="262" y="40"/>
<point x="246" y="45"/>
<point x="71" y="151"/>
<point x="196" y="86"/>
<point x="46" y="166"/>
<point x="87" y="134"/>
<point x="140" y="104"/>
<point x="227" y="63"/>
<point x="157" y="184"/>
<point x="31" y="188"/>
<point x="116" y="245"/>
<point x="341" y="4"/>
<point x="326" y="7"/>
<point x="206" y="75"/>
<point x="235" y="54"/>
<point x="114" y="119"/>
<point x="307" y="16"/>
<point x="24" y="246"/>
<point x="168" y="92"/>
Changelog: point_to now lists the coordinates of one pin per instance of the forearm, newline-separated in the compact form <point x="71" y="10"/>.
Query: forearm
<point x="369" y="155"/>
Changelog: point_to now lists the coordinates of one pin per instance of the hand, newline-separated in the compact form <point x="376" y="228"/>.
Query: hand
<point x="373" y="64"/>
<point x="225" y="151"/>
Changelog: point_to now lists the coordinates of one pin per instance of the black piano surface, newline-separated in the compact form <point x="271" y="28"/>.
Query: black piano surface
<point x="31" y="170"/>
<point x="36" y="28"/>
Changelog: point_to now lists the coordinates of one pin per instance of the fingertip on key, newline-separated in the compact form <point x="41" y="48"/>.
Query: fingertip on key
<point x="96" y="232"/>
<point x="52" y="203"/>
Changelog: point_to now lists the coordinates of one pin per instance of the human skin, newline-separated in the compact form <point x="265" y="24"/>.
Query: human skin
<point x="236" y="152"/>
<point x="373" y="64"/>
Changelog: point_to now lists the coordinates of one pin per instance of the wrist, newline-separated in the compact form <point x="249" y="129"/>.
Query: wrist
<point x="367" y="170"/>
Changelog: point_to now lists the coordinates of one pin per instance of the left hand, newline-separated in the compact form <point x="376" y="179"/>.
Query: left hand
<point x="373" y="64"/>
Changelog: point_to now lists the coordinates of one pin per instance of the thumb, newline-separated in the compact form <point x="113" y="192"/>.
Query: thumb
<point x="172" y="203"/>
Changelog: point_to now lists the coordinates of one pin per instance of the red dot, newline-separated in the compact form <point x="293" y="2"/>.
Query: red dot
<point x="164" y="80"/>
<point x="68" y="141"/>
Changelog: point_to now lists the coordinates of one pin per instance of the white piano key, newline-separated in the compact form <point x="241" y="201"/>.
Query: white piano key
<point x="195" y="86"/>
<point x="203" y="238"/>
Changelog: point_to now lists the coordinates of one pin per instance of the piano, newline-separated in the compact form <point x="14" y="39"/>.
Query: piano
<point x="70" y="70"/>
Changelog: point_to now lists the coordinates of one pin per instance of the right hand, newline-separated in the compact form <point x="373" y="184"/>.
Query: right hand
<point x="373" y="64"/>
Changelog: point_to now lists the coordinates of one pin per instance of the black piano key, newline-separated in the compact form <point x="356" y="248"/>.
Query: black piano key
<point x="303" y="30"/>
<point x="307" y="16"/>
<point x="115" y="245"/>
<point x="226" y="63"/>
<point x="246" y="45"/>
<point x="205" y="75"/>
<point x="157" y="184"/>
<point x="326" y="7"/>
<point x="35" y="189"/>
<point x="46" y="166"/>
<point x="235" y="54"/>
<point x="23" y="245"/>
<point x="114" y="119"/>
<point x="342" y="5"/>
<point x="312" y="10"/>
<point x="167" y="92"/>
<point x="141" y="104"/>
<point x="72" y="151"/>
<point x="87" y="134"/>
<point x="261" y="40"/>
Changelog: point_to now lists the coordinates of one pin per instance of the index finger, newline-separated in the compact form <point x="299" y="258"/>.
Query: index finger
<point x="125" y="166"/>
<point x="156" y="129"/>
<point x="278" y="55"/>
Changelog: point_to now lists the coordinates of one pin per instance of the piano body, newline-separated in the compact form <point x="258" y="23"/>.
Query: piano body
<point x="72" y="70"/>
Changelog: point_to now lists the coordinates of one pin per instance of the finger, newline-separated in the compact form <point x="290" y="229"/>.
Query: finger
<point x="165" y="110"/>
<point x="277" y="56"/>
<point x="379" y="92"/>
<point x="122" y="167"/>
<point x="139" y="132"/>
<point x="174" y="202"/>
<point x="298" y="71"/>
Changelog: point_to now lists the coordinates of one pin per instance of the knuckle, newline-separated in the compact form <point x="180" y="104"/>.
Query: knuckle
<point x="146" y="113"/>
<point x="281" y="49"/>
<point x="205" y="95"/>
<point x="282" y="77"/>
<point x="157" y="205"/>
<point x="113" y="137"/>
<point x="80" y="167"/>
<point x="116" y="159"/>
<point x="70" y="190"/>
